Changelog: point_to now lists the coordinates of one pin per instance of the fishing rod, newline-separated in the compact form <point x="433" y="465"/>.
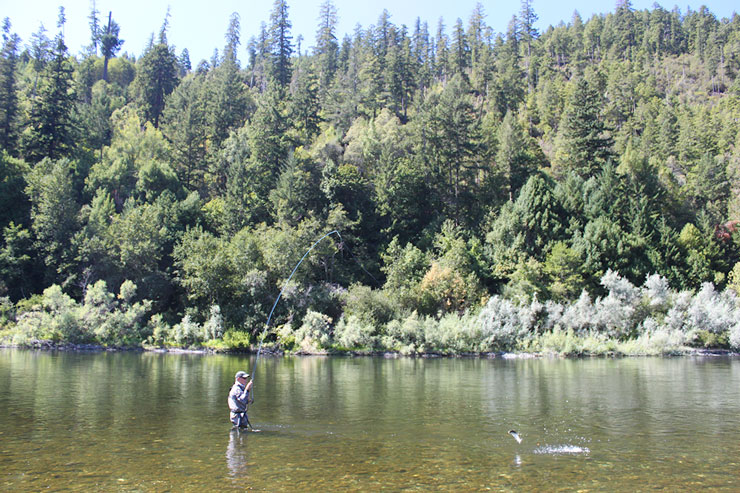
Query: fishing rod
<point x="269" y="318"/>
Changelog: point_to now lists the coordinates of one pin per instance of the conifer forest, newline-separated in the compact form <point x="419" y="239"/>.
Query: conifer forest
<point x="574" y="191"/>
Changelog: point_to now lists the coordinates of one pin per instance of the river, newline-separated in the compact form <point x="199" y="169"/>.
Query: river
<point x="130" y="421"/>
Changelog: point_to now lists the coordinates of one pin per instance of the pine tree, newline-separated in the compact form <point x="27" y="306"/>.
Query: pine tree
<point x="8" y="90"/>
<point x="54" y="216"/>
<point x="450" y="135"/>
<point x="92" y="50"/>
<point x="508" y="87"/>
<point x="421" y="60"/>
<point x="304" y="104"/>
<point x="183" y="63"/>
<point x="585" y="147"/>
<point x="459" y="50"/>
<point x="184" y="126"/>
<point x="233" y="38"/>
<point x="52" y="126"/>
<point x="280" y="42"/>
<point x="512" y="157"/>
<point x="528" y="33"/>
<point x="155" y="79"/>
<point x="327" y="48"/>
<point x="110" y="43"/>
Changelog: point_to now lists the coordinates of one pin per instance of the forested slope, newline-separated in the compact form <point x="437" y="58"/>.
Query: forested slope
<point x="492" y="190"/>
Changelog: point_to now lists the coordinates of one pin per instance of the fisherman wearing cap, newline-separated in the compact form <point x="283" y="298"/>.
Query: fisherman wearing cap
<point x="239" y="399"/>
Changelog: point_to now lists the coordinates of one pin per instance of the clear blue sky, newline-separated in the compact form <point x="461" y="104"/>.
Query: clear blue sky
<point x="200" y="25"/>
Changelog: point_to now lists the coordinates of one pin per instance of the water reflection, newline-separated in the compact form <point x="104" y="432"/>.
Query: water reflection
<point x="518" y="460"/>
<point x="237" y="453"/>
<point x="155" y="422"/>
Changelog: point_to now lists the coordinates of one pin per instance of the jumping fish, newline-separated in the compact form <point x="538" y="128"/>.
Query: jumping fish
<point x="515" y="435"/>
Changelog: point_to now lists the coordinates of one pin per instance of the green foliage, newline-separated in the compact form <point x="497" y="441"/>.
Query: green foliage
<point x="16" y="267"/>
<point x="9" y="104"/>
<point x="463" y="167"/>
<point x="14" y="204"/>
<point x="51" y="131"/>
<point x="100" y="318"/>
<point x="54" y="216"/>
<point x="156" y="78"/>
<point x="585" y="148"/>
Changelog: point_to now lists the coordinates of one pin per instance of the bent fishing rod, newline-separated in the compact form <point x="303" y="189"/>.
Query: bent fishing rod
<point x="285" y="285"/>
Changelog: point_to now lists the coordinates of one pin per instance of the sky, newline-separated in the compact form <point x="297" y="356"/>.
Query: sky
<point x="200" y="25"/>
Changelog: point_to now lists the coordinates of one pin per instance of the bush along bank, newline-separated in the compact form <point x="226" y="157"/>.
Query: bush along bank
<point x="648" y="320"/>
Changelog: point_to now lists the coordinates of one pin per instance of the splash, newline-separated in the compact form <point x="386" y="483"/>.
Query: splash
<point x="561" y="449"/>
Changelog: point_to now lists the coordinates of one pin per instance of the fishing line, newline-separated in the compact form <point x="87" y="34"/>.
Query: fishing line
<point x="269" y="318"/>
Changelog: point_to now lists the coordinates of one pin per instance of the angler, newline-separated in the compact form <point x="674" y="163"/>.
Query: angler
<point x="239" y="400"/>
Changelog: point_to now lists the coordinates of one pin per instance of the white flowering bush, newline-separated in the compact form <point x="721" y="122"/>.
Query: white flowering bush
<point x="619" y="288"/>
<point x="500" y="324"/>
<point x="186" y="333"/>
<point x="735" y="336"/>
<point x="315" y="332"/>
<point x="354" y="333"/>
<point x="102" y="317"/>
<point x="214" y="326"/>
<point x="579" y="316"/>
<point x="713" y="311"/>
<point x="614" y="315"/>
<point x="656" y="292"/>
<point x="676" y="317"/>
<point x="451" y="334"/>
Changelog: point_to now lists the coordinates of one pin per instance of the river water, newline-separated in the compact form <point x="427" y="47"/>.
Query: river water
<point x="158" y="422"/>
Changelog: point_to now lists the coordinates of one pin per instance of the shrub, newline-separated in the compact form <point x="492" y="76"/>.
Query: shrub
<point x="407" y="334"/>
<point x="580" y="315"/>
<point x="213" y="328"/>
<point x="186" y="333"/>
<point x="353" y="333"/>
<point x="7" y="313"/>
<point x="500" y="325"/>
<point x="315" y="332"/>
<point x="735" y="336"/>
<point x="371" y="306"/>
<point x="159" y="329"/>
<point x="237" y="339"/>
<point x="653" y="341"/>
<point x="656" y="291"/>
<point x="713" y="311"/>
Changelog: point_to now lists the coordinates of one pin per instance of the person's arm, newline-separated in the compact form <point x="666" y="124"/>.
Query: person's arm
<point x="233" y="405"/>
<point x="243" y="397"/>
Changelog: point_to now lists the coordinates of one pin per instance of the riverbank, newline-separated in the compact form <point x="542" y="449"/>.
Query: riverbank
<point x="273" y="351"/>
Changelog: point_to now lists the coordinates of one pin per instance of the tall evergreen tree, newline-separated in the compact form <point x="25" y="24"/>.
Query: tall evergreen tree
<point x="94" y="29"/>
<point x="233" y="38"/>
<point x="280" y="41"/>
<point x="155" y="79"/>
<point x="513" y="159"/>
<point x="110" y="43"/>
<point x="584" y="146"/>
<point x="54" y="217"/>
<point x="449" y="136"/>
<point x="459" y="50"/>
<point x="184" y="126"/>
<point x="508" y="88"/>
<point x="528" y="33"/>
<point x="304" y="104"/>
<point x="51" y="126"/>
<point x="327" y="47"/>
<point x="8" y="90"/>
